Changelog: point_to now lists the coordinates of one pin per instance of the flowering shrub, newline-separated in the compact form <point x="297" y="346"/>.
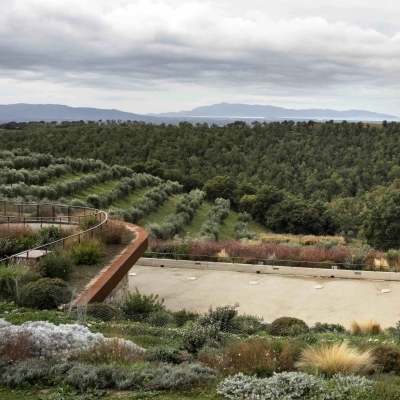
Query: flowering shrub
<point x="291" y="254"/>
<point x="52" y="340"/>
<point x="294" y="385"/>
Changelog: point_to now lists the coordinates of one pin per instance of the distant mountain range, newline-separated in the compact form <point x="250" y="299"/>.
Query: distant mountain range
<point x="218" y="113"/>
<point x="227" y="110"/>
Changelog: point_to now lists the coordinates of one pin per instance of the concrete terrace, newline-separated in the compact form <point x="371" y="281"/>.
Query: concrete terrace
<point x="340" y="300"/>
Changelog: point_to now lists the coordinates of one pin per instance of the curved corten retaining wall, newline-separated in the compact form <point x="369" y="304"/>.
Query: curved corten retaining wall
<point x="102" y="287"/>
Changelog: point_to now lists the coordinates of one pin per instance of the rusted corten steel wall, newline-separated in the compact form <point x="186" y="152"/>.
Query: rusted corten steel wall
<point x="105" y="284"/>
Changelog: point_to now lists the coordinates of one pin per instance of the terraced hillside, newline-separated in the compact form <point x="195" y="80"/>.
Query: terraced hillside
<point x="161" y="206"/>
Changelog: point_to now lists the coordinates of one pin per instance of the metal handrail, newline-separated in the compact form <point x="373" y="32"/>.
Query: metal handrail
<point x="87" y="212"/>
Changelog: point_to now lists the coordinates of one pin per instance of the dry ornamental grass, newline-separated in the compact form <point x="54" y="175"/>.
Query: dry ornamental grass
<point x="335" y="359"/>
<point x="369" y="327"/>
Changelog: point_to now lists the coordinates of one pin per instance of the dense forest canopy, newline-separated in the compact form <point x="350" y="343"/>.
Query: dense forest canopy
<point x="296" y="177"/>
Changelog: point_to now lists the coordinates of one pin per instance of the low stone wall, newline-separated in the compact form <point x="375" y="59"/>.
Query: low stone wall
<point x="111" y="285"/>
<point x="270" y="269"/>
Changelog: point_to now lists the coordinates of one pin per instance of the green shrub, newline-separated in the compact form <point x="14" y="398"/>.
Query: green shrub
<point x="388" y="358"/>
<point x="169" y="376"/>
<point x="247" y="324"/>
<point x="160" y="318"/>
<point x="194" y="338"/>
<point x="221" y="317"/>
<point x="163" y="354"/>
<point x="86" y="253"/>
<point x="50" y="234"/>
<point x="102" y="311"/>
<point x="56" y="264"/>
<point x="45" y="293"/>
<point x="287" y="326"/>
<point x="12" y="278"/>
<point x="138" y="305"/>
<point x="322" y="327"/>
<point x="183" y="316"/>
<point x="88" y="222"/>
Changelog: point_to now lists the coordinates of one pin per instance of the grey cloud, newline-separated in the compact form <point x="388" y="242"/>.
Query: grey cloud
<point x="87" y="49"/>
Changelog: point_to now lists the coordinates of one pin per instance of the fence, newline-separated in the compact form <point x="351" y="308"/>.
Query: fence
<point x="325" y="265"/>
<point x="52" y="214"/>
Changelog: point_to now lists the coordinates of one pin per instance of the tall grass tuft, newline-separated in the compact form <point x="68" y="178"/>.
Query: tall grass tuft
<point x="335" y="359"/>
<point x="113" y="350"/>
<point x="255" y="356"/>
<point x="369" y="327"/>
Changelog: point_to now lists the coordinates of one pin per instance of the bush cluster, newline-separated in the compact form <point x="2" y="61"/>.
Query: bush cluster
<point x="45" y="293"/>
<point x="84" y="377"/>
<point x="287" y="326"/>
<point x="294" y="385"/>
<point x="139" y="305"/>
<point x="86" y="253"/>
<point x="56" y="264"/>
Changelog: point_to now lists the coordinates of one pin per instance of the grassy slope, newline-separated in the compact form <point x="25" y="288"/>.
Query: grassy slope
<point x="167" y="208"/>
<point x="226" y="231"/>
<point x="126" y="202"/>
<point x="96" y="189"/>
<point x="67" y="177"/>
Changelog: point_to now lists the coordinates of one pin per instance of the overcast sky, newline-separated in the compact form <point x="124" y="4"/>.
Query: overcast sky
<point x="149" y="56"/>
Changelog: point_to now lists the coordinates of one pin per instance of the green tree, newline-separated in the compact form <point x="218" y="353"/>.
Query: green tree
<point x="220" y="186"/>
<point x="382" y="225"/>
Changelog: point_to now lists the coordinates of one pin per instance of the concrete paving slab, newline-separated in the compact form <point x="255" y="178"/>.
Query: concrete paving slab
<point x="339" y="301"/>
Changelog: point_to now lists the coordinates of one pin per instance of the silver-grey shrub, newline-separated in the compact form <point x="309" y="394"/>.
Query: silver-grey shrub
<point x="51" y="340"/>
<point x="293" y="386"/>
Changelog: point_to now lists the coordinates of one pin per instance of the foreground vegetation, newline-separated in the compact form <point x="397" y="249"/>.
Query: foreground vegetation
<point x="146" y="351"/>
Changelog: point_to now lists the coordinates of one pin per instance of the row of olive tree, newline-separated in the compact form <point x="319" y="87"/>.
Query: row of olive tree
<point x="184" y="213"/>
<point x="210" y="228"/>
<point x="66" y="189"/>
<point x="23" y="158"/>
<point x="147" y="204"/>
<point x="242" y="227"/>
<point x="33" y="177"/>
<point x="125" y="187"/>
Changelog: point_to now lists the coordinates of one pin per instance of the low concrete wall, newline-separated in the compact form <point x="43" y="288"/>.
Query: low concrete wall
<point x="270" y="269"/>
<point x="106" y="285"/>
<point x="120" y="293"/>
